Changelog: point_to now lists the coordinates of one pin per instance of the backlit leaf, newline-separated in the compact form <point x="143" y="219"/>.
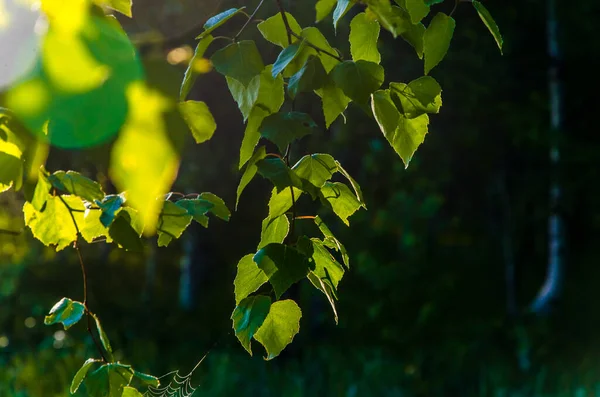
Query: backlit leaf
<point x="326" y="289"/>
<point x="43" y="224"/>
<point x="74" y="183"/>
<point x="143" y="161"/>
<point x="315" y="37"/>
<point x="423" y="95"/>
<point x="280" y="202"/>
<point x="197" y="208"/>
<point x="311" y="77"/>
<point x="417" y="9"/>
<point x="488" y="20"/>
<point x="124" y="234"/>
<point x="275" y="170"/>
<point x="109" y="206"/>
<point x="324" y="8"/>
<point x="109" y="380"/>
<point x="249" y="278"/>
<point x="436" y="40"/>
<point x="103" y="337"/>
<point x="219" y="209"/>
<point x="273" y="29"/>
<point x="364" y="33"/>
<point x="279" y="328"/>
<point x="122" y="6"/>
<point x="66" y="312"/>
<point x="172" y="222"/>
<point x="81" y="374"/>
<point x="129" y="391"/>
<point x="248" y="316"/>
<point x="286" y="56"/>
<point x="342" y="7"/>
<point x="274" y="230"/>
<point x="342" y="201"/>
<point x="190" y="75"/>
<point x="316" y="168"/>
<point x="250" y="171"/>
<point x="252" y="133"/>
<point x="331" y="241"/>
<point x="334" y="101"/>
<point x="214" y="22"/>
<point x="199" y="118"/>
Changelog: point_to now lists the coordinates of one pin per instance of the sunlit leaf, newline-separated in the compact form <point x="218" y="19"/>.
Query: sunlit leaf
<point x="218" y="20"/>
<point x="252" y="133"/>
<point x="286" y="56"/>
<point x="342" y="201"/>
<point x="327" y="290"/>
<point x="249" y="278"/>
<point x="358" y="79"/>
<point x="109" y="380"/>
<point x="282" y="201"/>
<point x="331" y="241"/>
<point x="250" y="172"/>
<point x="190" y="73"/>
<point x="124" y="234"/>
<point x="66" y="312"/>
<point x="315" y="37"/>
<point x="364" y="34"/>
<point x="172" y="222"/>
<point x="103" y="337"/>
<point x="81" y="374"/>
<point x="219" y="207"/>
<point x="197" y="208"/>
<point x="488" y="20"/>
<point x="273" y="29"/>
<point x="74" y="183"/>
<point x="275" y="170"/>
<point x="129" y="391"/>
<point x="423" y="95"/>
<point x="316" y="168"/>
<point x="199" y="118"/>
<point x="109" y="206"/>
<point x="122" y="6"/>
<point x="274" y="230"/>
<point x="436" y="40"/>
<point x="342" y="7"/>
<point x="143" y="161"/>
<point x="43" y="224"/>
<point x="279" y="328"/>
<point x="248" y="316"/>
<point x="334" y="101"/>
<point x="311" y="77"/>
<point x="324" y="8"/>
<point x="147" y="379"/>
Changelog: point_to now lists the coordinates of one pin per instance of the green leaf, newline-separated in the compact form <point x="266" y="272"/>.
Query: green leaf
<point x="123" y="233"/>
<point x="283" y="265"/>
<point x="244" y="96"/>
<point x="279" y="328"/>
<point x="190" y="74"/>
<point x="284" y="128"/>
<point x="364" y="33"/>
<point x="423" y="95"/>
<point x="280" y="202"/>
<point x="248" y="316"/>
<point x="487" y="19"/>
<point x="249" y="278"/>
<point x="199" y="118"/>
<point x="331" y="241"/>
<point x="42" y="190"/>
<point x="109" y="206"/>
<point x="43" y="225"/>
<point x="417" y="9"/>
<point x="197" y="208"/>
<point x="286" y="56"/>
<point x="129" y="391"/>
<point x="81" y="373"/>
<point x="387" y="15"/>
<point x="404" y="134"/>
<point x="274" y="230"/>
<point x="109" y="380"/>
<point x="358" y="79"/>
<point x="327" y="268"/>
<point x="270" y="92"/>
<point x="311" y="77"/>
<point x="411" y="33"/>
<point x="147" y="379"/>
<point x="144" y="162"/>
<point x="343" y="202"/>
<point x="249" y="172"/>
<point x="173" y="220"/>
<point x="240" y="61"/>
<point x="11" y="166"/>
<point x="275" y="170"/>
<point x="103" y="337"/>
<point x="316" y="168"/>
<point x="219" y="208"/>
<point x="432" y="2"/>
<point x="218" y="20"/>
<point x="334" y="101"/>
<point x="436" y="39"/>
<point x="342" y="7"/>
<point x="66" y="312"/>
<point x="89" y="223"/>
<point x="324" y="8"/>
<point x="315" y="37"/>
<point x="273" y="29"/>
<point x="354" y="184"/>
<point x="252" y="133"/>
<point x="325" y="289"/>
<point x="122" y="6"/>
<point x="74" y="183"/>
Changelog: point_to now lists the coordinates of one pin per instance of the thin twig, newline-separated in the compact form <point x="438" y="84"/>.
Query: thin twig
<point x="250" y="18"/>
<point x="306" y="217"/>
<point x="454" y="9"/>
<point x="11" y="232"/>
<point x="84" y="275"/>
<point x="286" y="23"/>
<point x="286" y="158"/>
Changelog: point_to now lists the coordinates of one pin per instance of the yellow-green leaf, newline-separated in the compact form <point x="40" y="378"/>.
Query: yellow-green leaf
<point x="279" y="328"/>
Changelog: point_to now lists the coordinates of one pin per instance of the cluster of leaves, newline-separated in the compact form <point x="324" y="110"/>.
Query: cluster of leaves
<point x="58" y="102"/>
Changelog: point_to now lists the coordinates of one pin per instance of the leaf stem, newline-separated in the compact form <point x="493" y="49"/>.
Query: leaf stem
<point x="306" y="217"/>
<point x="250" y="18"/>
<point x="84" y="275"/>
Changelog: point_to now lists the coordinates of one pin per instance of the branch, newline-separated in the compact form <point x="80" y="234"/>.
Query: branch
<point x="250" y="18"/>
<point x="11" y="232"/>
<point x="84" y="274"/>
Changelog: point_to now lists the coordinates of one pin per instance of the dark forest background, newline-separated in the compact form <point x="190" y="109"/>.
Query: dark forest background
<point x="427" y="309"/>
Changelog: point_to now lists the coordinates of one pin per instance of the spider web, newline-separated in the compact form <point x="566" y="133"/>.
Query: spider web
<point x="178" y="386"/>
